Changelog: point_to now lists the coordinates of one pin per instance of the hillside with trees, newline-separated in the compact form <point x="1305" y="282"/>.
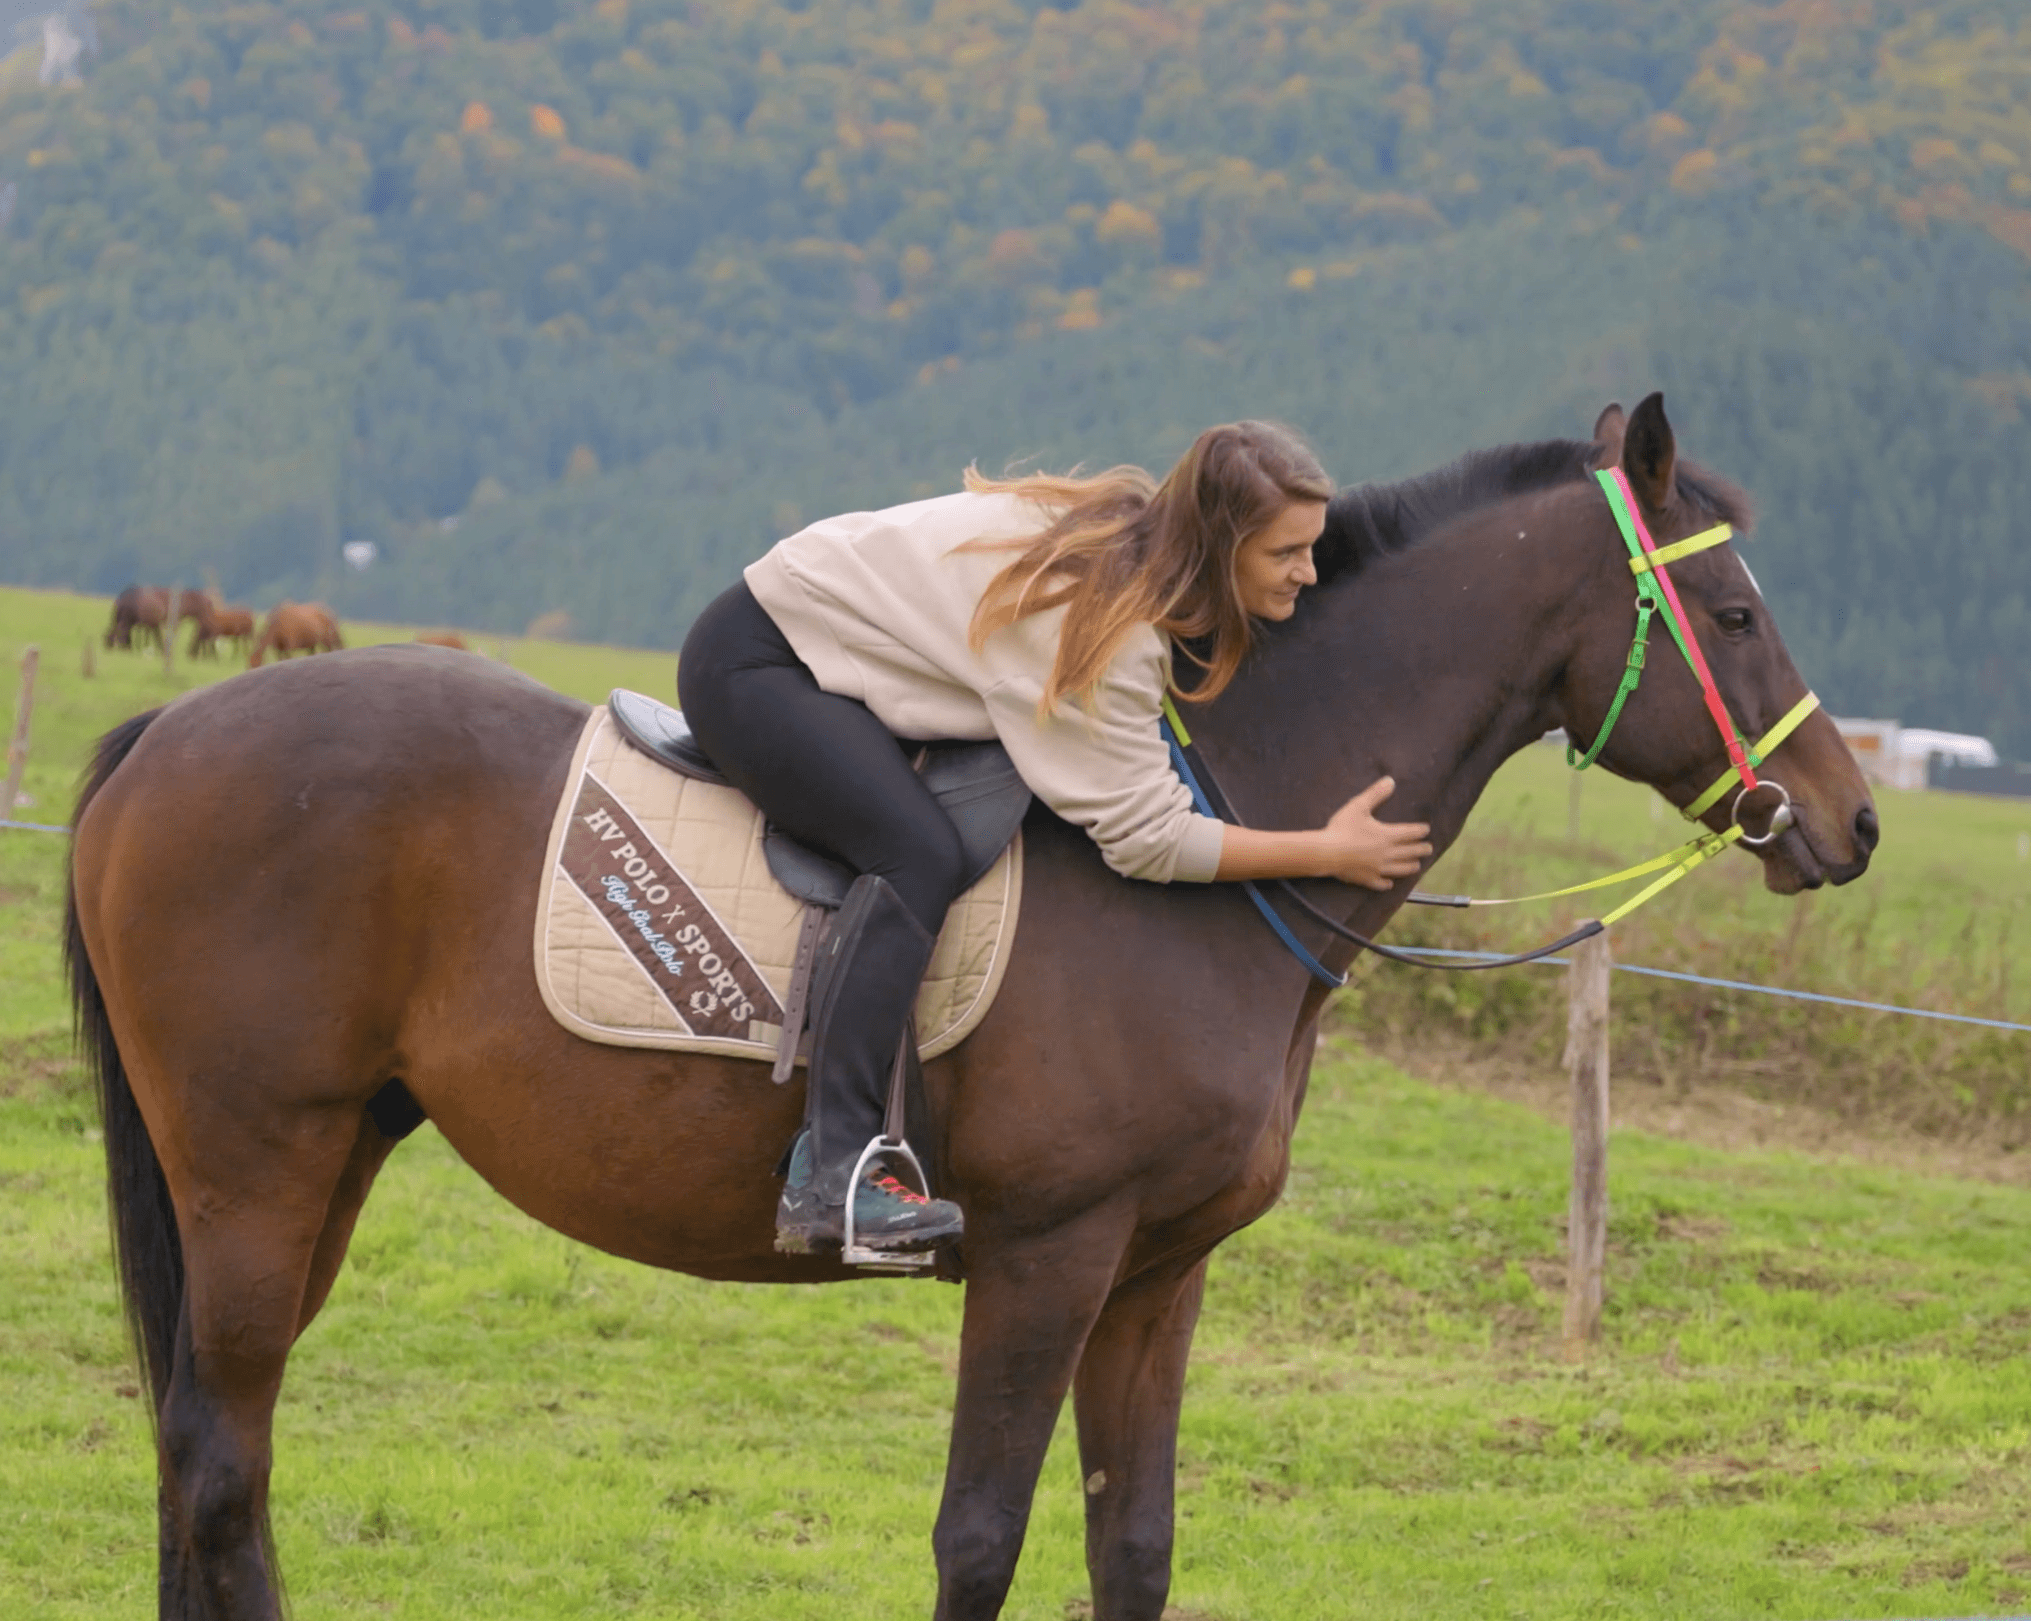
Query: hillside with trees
<point x="574" y="306"/>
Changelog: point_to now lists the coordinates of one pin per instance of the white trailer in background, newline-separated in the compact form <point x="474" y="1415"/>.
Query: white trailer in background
<point x="1901" y="756"/>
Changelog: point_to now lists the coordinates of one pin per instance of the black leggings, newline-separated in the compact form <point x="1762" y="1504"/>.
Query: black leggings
<point x="820" y="766"/>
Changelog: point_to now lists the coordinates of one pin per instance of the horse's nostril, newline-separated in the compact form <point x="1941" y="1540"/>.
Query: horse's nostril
<point x="1867" y="830"/>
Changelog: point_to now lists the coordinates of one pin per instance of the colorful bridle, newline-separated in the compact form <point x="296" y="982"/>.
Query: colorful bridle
<point x="1655" y="595"/>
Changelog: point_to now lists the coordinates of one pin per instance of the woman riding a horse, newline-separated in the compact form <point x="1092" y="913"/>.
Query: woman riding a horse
<point x="1038" y="610"/>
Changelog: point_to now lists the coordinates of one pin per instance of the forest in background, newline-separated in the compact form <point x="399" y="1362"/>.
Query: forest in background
<point x="572" y="308"/>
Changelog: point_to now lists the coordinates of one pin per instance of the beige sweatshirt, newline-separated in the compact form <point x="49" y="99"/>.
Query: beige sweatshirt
<point x="878" y="604"/>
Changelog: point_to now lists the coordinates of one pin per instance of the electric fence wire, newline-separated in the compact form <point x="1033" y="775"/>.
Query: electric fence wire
<point x="1744" y="985"/>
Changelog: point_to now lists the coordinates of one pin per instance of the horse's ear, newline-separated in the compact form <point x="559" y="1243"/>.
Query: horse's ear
<point x="1609" y="427"/>
<point x="1650" y="454"/>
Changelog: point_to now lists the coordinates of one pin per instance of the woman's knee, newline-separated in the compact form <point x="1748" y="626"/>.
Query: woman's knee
<point x="928" y="868"/>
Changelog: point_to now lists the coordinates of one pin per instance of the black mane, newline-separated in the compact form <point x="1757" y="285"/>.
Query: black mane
<point x="1365" y="522"/>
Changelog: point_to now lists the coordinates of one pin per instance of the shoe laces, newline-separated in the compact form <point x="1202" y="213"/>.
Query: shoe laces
<point x="888" y="1184"/>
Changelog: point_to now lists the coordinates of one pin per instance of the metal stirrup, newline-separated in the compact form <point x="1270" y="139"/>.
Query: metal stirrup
<point x="854" y="1253"/>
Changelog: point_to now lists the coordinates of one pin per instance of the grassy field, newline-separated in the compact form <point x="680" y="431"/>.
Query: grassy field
<point x="1941" y="920"/>
<point x="1812" y="1400"/>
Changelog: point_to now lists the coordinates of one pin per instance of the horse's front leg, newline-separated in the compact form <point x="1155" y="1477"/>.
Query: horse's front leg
<point x="1131" y="1383"/>
<point x="1029" y="1305"/>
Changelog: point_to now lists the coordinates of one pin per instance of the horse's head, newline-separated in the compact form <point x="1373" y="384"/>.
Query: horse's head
<point x="1665" y="735"/>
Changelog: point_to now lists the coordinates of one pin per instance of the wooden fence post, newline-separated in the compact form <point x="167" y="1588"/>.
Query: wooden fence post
<point x="17" y="750"/>
<point x="1587" y="1213"/>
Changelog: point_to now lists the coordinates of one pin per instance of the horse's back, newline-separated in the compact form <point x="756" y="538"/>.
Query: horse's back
<point x="322" y="775"/>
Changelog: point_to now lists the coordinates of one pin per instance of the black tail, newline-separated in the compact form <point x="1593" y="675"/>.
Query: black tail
<point x="145" y="1242"/>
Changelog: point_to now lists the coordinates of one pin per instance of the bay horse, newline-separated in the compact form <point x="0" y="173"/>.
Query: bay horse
<point x="200" y="611"/>
<point x="140" y="607"/>
<point x="296" y="627"/>
<point x="234" y="622"/>
<point x="1126" y="1105"/>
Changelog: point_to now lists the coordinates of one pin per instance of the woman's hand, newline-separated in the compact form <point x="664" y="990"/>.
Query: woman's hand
<point x="1361" y="850"/>
<point x="1353" y="846"/>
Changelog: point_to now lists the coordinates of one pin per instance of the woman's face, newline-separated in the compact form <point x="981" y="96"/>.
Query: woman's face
<point x="1275" y="563"/>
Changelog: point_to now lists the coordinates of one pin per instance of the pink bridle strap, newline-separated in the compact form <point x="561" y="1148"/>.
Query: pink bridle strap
<point x="1738" y="756"/>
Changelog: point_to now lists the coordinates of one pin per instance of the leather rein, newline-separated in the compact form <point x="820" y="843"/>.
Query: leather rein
<point x="1655" y="597"/>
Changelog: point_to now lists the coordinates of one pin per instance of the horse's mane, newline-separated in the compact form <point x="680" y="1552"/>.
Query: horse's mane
<point x="1366" y="522"/>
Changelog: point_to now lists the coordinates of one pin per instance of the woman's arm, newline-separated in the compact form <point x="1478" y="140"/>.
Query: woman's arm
<point x="1353" y="846"/>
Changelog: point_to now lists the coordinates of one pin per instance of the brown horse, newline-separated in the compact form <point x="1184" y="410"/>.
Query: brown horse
<point x="198" y="610"/>
<point x="234" y="623"/>
<point x="297" y="627"/>
<point x="1127" y="1104"/>
<point x="442" y="638"/>
<point x="143" y="608"/>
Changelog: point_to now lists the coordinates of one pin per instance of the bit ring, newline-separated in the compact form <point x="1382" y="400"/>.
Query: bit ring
<point x="1780" y="819"/>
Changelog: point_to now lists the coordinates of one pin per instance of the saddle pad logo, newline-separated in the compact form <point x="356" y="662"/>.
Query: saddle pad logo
<point x="689" y="956"/>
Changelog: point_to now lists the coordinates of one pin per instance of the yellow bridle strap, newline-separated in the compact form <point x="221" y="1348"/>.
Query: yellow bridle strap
<point x="1759" y="751"/>
<point x="1705" y="850"/>
<point x="1670" y="858"/>
<point x="1648" y="561"/>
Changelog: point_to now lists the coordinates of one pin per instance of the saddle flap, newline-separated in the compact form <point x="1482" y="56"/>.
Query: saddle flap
<point x="976" y="783"/>
<point x="983" y="793"/>
<point x="661" y="731"/>
<point x="814" y="879"/>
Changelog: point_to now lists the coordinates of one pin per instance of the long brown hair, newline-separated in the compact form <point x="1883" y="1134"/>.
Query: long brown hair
<point x="1124" y="550"/>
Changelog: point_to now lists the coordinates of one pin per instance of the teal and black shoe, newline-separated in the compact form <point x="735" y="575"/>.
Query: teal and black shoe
<point x="887" y="1215"/>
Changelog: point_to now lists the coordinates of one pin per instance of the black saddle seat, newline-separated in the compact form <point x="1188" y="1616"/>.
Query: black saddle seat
<point x="977" y="784"/>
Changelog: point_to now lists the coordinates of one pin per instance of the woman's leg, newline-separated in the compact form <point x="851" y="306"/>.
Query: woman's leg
<point x="820" y="766"/>
<point x="826" y="771"/>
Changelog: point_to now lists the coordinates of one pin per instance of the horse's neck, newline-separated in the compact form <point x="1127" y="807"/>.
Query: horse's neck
<point x="1432" y="666"/>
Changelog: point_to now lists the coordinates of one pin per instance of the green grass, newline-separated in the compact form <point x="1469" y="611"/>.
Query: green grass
<point x="1941" y="920"/>
<point x="1947" y="863"/>
<point x="1812" y="1401"/>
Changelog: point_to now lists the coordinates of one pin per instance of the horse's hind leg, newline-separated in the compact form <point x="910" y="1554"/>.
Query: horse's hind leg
<point x="253" y="1209"/>
<point x="1130" y="1385"/>
<point x="370" y="1151"/>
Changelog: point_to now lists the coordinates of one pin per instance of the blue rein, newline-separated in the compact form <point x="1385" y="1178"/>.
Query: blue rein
<point x="1317" y="969"/>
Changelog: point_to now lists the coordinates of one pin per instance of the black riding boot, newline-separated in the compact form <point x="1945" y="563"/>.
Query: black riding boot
<point x="862" y="993"/>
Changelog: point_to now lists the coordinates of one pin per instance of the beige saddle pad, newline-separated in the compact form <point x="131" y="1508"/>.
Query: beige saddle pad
<point x="659" y="924"/>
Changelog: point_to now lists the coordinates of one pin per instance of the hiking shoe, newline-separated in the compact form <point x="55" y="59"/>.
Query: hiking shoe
<point x="887" y="1215"/>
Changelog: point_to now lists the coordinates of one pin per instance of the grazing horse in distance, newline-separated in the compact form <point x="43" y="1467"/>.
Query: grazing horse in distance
<point x="443" y="638"/>
<point x="357" y="844"/>
<point x="200" y="612"/>
<point x="140" y="607"/>
<point x="297" y="627"/>
<point x="234" y="623"/>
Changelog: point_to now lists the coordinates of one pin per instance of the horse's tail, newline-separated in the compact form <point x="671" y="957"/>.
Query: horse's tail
<point x="145" y="1242"/>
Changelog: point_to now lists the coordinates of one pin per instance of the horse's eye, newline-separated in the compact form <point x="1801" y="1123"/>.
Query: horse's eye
<point x="1736" y="621"/>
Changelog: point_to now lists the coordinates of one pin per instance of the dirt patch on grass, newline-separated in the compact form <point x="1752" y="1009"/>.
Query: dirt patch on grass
<point x="1713" y="1116"/>
<point x="41" y="1063"/>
